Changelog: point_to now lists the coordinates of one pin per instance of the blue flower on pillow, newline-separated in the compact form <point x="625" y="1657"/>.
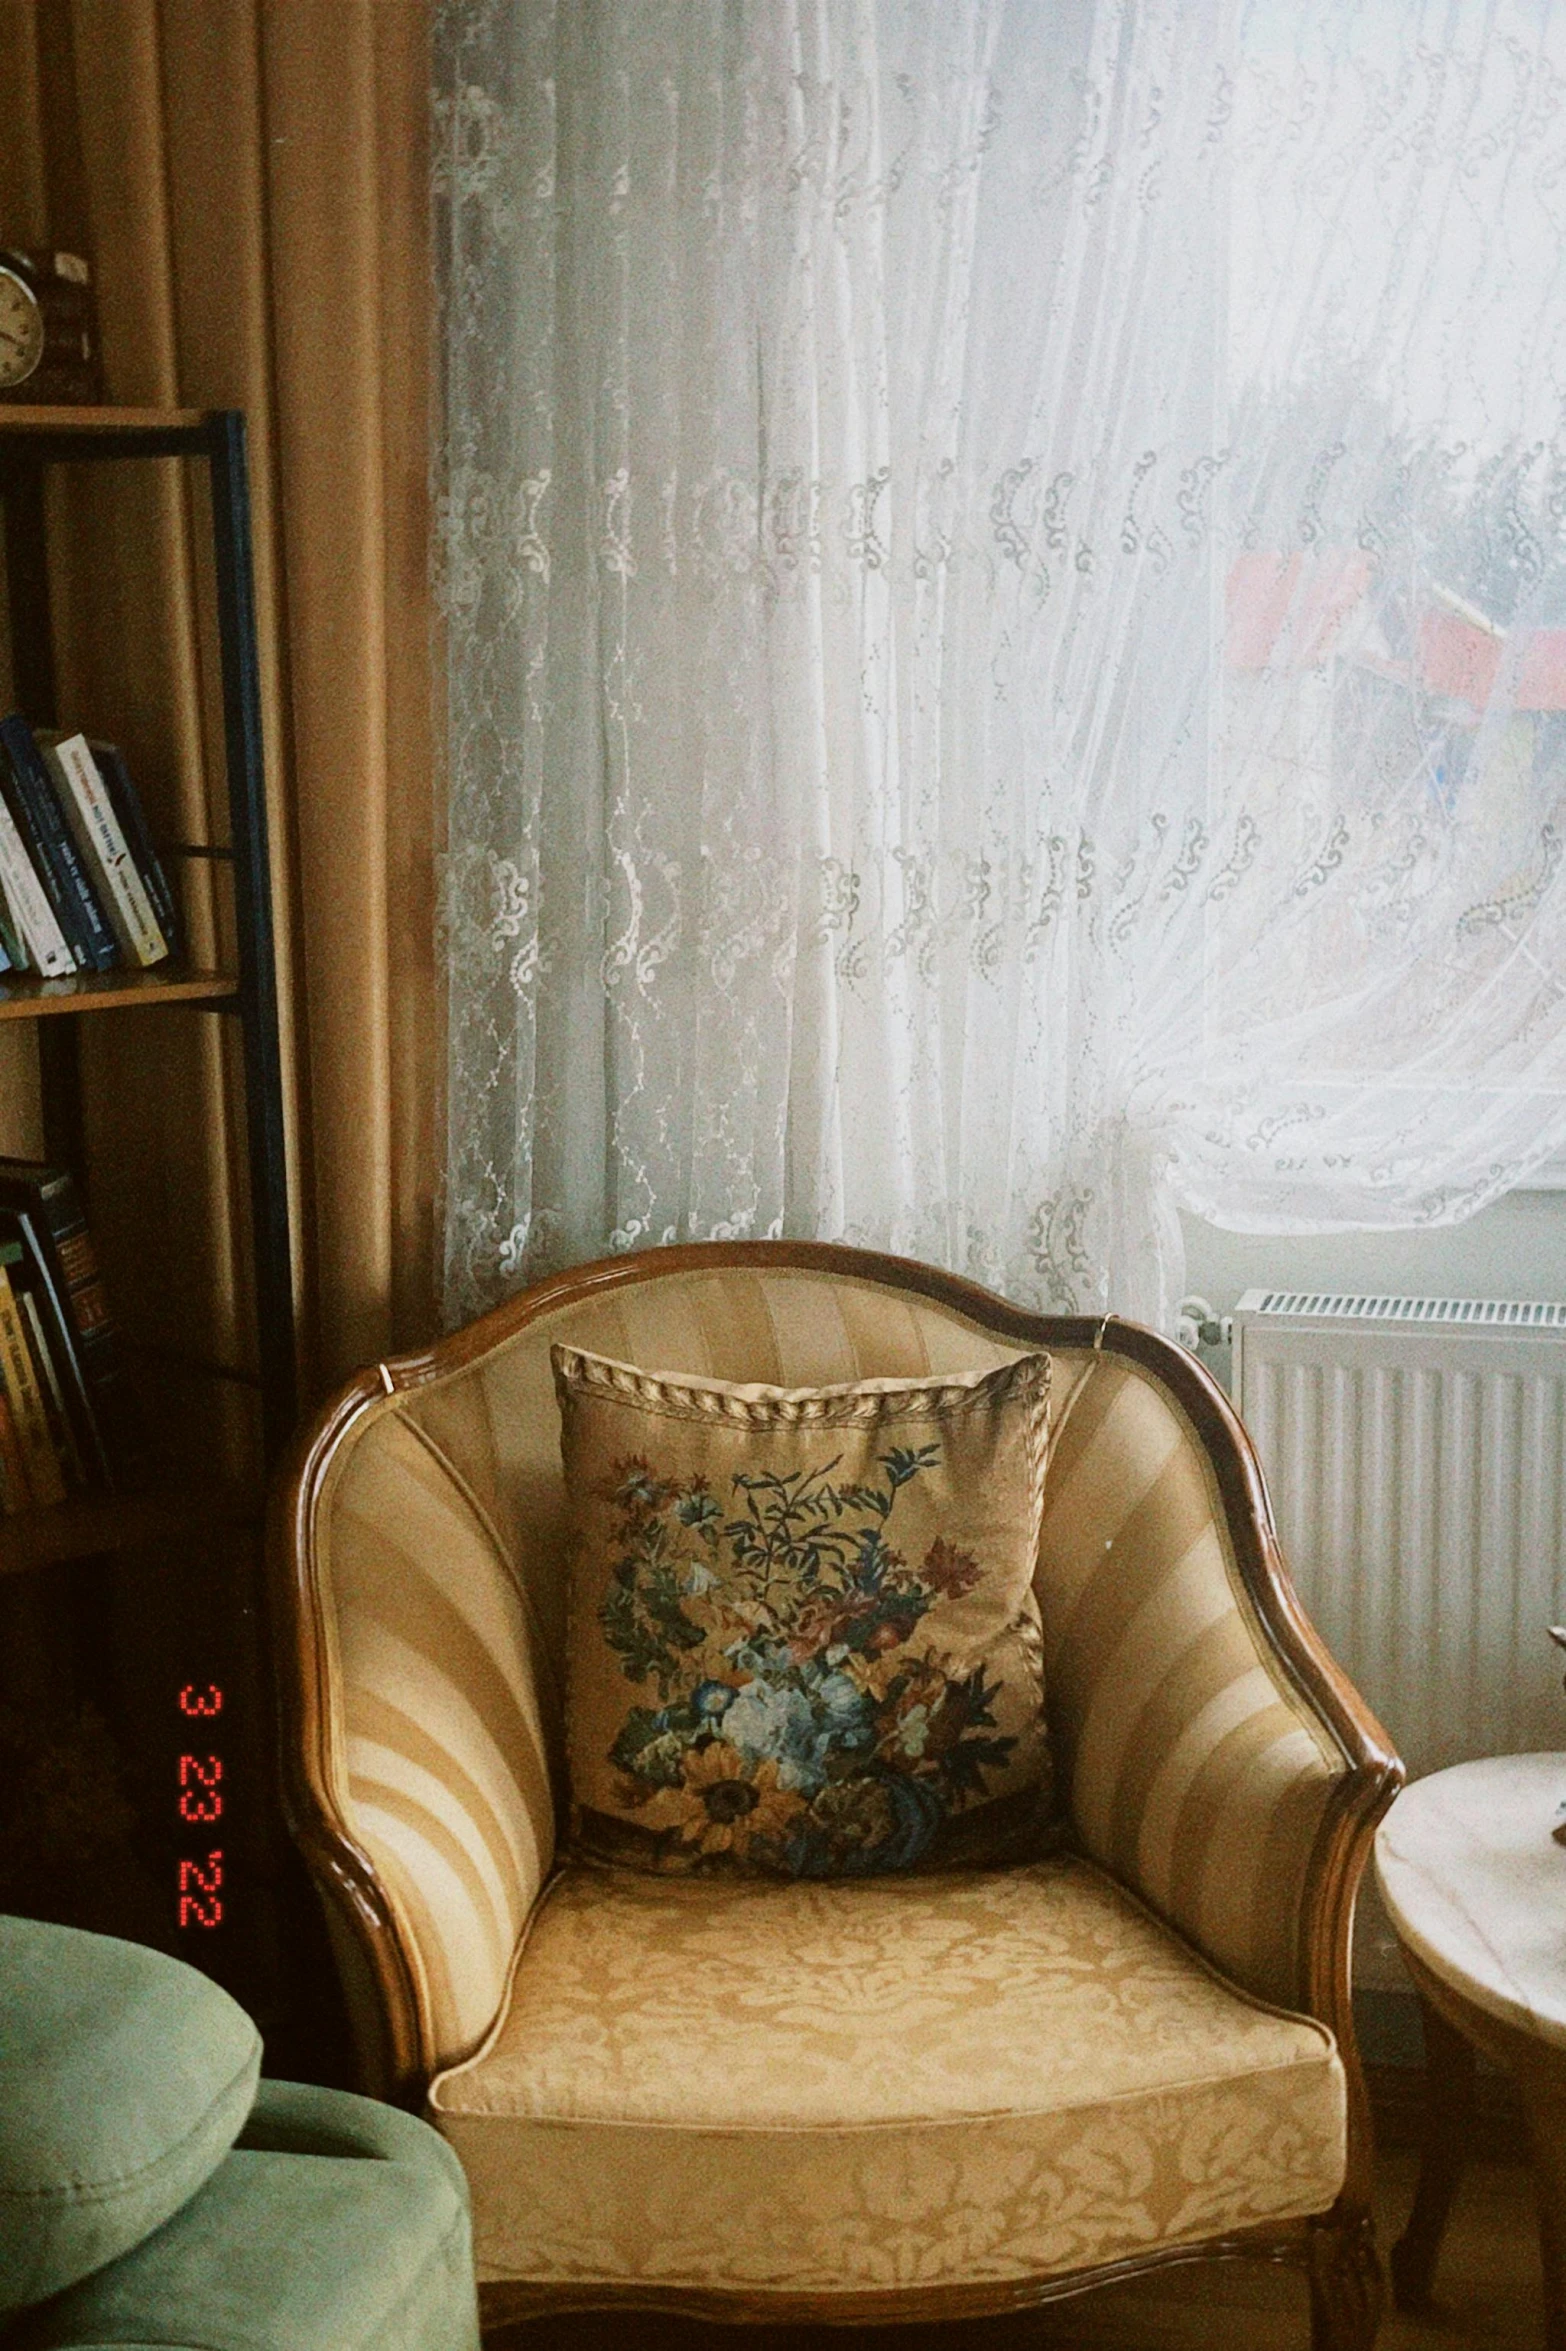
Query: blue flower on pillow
<point x="773" y="1721"/>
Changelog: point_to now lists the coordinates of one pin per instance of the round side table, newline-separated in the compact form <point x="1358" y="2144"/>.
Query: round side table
<point x="1475" y="1886"/>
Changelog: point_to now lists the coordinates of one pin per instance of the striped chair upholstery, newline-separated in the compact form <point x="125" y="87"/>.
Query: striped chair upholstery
<point x="1196" y="1773"/>
<point x="440" y="1717"/>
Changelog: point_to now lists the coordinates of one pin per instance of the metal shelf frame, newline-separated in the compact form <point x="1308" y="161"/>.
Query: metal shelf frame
<point x="31" y="441"/>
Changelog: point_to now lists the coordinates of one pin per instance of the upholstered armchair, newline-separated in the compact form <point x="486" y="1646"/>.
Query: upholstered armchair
<point x="914" y="2096"/>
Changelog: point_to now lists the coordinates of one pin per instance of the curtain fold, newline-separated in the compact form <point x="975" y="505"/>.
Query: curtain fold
<point x="250" y="178"/>
<point x="1005" y="613"/>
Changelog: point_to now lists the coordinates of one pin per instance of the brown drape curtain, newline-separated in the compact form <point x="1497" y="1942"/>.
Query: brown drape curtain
<point x="249" y="178"/>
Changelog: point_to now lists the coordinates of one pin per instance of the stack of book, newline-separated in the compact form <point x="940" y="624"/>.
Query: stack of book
<point x="81" y="888"/>
<point x="68" y="1407"/>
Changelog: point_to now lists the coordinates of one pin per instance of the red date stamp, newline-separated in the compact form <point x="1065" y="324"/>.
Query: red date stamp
<point x="200" y="1882"/>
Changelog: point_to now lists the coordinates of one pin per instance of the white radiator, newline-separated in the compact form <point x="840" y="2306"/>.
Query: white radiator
<point x="1415" y="1451"/>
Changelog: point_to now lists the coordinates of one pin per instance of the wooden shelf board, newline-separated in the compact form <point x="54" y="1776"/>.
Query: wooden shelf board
<point x="88" y="1524"/>
<point x="17" y="417"/>
<point x="27" y="997"/>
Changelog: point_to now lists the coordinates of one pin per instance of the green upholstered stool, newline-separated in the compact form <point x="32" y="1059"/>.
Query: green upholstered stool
<point x="124" y="2080"/>
<point x="335" y="2223"/>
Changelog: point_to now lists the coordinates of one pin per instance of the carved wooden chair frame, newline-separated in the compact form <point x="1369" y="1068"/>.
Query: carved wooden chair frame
<point x="1336" y="2248"/>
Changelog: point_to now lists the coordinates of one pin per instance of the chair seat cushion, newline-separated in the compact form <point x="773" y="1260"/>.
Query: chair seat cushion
<point x="853" y="2087"/>
<point x="336" y="2224"/>
<point x="124" y="2079"/>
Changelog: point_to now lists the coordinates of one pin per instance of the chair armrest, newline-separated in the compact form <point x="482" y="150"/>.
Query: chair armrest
<point x="417" y="1773"/>
<point x="1216" y="1759"/>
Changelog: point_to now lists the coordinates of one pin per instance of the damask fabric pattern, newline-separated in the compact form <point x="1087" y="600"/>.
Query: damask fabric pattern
<point x="1194" y="1772"/>
<point x="803" y="1631"/>
<point x="895" y="2083"/>
<point x="1002" y="574"/>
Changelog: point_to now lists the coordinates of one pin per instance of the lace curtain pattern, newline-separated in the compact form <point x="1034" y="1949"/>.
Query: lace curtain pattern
<point x="1006" y="624"/>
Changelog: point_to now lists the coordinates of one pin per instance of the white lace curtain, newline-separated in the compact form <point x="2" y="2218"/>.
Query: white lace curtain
<point x="1006" y="624"/>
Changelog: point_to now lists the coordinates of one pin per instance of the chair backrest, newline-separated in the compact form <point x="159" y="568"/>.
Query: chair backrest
<point x="422" y="1544"/>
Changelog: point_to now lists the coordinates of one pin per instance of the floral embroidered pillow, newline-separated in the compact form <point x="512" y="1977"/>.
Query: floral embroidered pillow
<point x="803" y="1636"/>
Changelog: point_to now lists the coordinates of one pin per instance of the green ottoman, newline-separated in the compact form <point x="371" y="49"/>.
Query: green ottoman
<point x="124" y="2080"/>
<point x="335" y="2223"/>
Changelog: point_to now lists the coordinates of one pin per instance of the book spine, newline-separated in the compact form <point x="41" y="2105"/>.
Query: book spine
<point x="11" y="931"/>
<point x="18" y="798"/>
<point x="49" y="838"/>
<point x="15" y="1492"/>
<point x="104" y="849"/>
<point x="60" y="1430"/>
<point x="41" y="1284"/>
<point x="46" y="942"/>
<point x="50" y="1195"/>
<point x="46" y="1274"/>
<point x="26" y="1400"/>
<point x="125" y="800"/>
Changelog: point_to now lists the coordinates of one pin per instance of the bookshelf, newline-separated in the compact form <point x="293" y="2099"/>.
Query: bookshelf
<point x="150" y="1593"/>
<point x="32" y="440"/>
<point x="30" y="998"/>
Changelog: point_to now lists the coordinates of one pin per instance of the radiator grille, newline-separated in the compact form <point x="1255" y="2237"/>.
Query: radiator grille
<point x="1415" y="1452"/>
<point x="1532" y="1314"/>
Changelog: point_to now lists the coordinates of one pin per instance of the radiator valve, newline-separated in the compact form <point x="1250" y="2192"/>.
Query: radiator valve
<point x="1201" y="1326"/>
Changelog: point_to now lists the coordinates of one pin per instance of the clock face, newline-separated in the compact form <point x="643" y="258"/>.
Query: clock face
<point x="21" y="330"/>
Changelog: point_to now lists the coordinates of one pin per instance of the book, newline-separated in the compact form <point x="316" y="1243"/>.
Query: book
<point x="15" y="1492"/>
<point x="40" y="819"/>
<point x="45" y="941"/>
<point x="82" y="1445"/>
<point x="62" y="1434"/>
<point x="10" y="935"/>
<point x="108" y="1409"/>
<point x="125" y="801"/>
<point x="18" y="793"/>
<point x="105" y="853"/>
<point x="25" y="1397"/>
<point x="10" y="928"/>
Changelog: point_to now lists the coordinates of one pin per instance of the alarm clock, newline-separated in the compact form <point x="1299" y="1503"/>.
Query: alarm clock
<point x="48" y="338"/>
